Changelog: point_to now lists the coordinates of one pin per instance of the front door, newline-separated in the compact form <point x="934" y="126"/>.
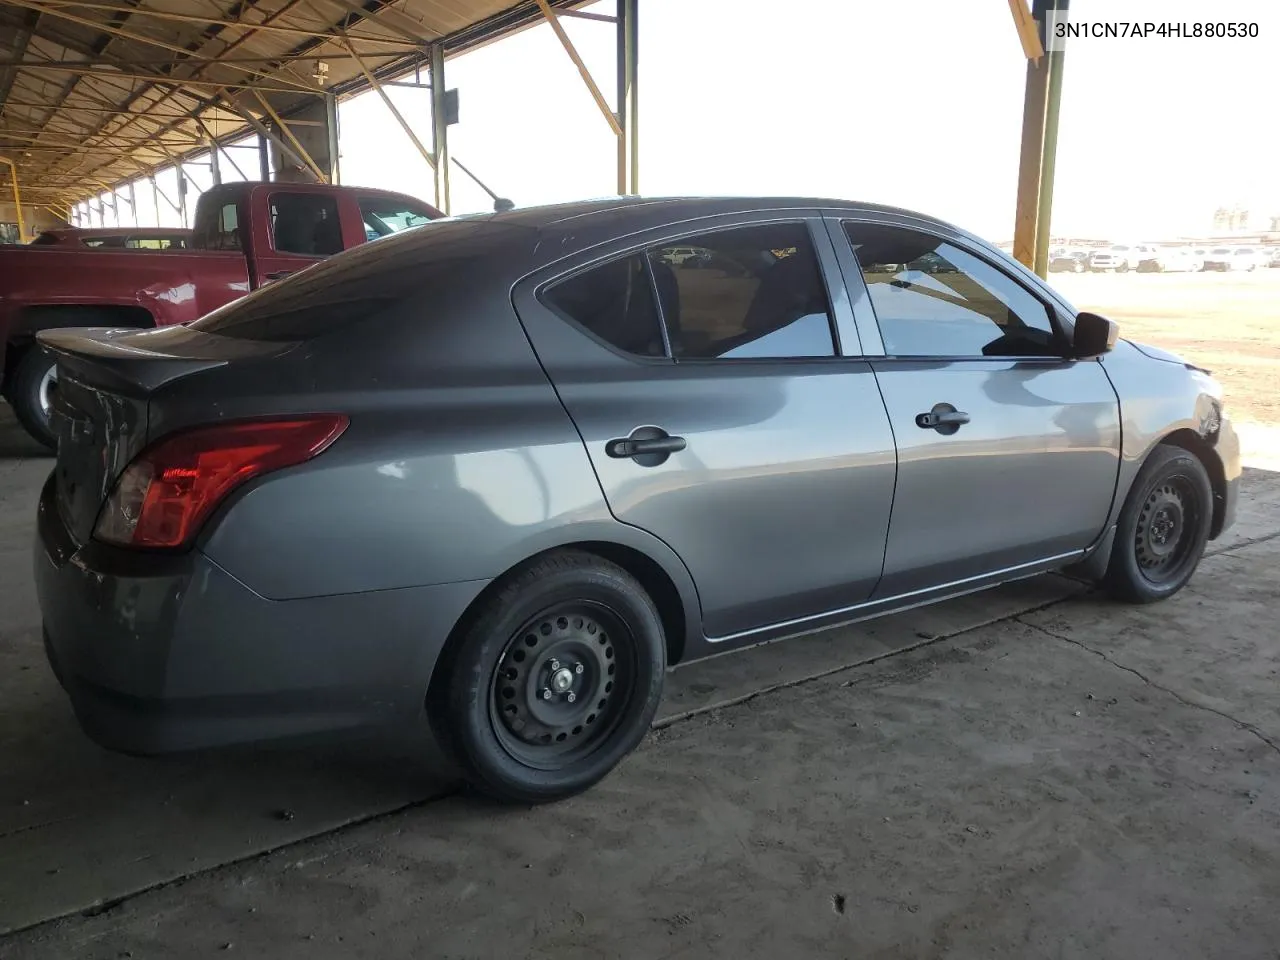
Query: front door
<point x="703" y="374"/>
<point x="302" y="227"/>
<point x="1007" y="452"/>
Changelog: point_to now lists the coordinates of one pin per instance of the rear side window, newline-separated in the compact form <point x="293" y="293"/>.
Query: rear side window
<point x="306" y="224"/>
<point x="615" y="303"/>
<point x="748" y="293"/>
<point x="217" y="227"/>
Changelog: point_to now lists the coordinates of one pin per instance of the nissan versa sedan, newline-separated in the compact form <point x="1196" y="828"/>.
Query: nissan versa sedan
<point x="503" y="470"/>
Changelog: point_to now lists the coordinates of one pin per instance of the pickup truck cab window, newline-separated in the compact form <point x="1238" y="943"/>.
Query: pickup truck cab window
<point x="306" y="224"/>
<point x="218" y="227"/>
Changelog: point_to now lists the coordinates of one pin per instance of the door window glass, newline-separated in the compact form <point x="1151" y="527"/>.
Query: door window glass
<point x="217" y="228"/>
<point x="383" y="217"/>
<point x="752" y="292"/>
<point x="306" y="224"/>
<point x="933" y="299"/>
<point x="614" y="302"/>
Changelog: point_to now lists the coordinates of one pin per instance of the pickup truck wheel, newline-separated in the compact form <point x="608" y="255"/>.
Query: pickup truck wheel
<point x="34" y="380"/>
<point x="1162" y="529"/>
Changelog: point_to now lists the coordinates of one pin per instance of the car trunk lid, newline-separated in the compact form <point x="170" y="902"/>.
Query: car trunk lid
<point x="99" y="412"/>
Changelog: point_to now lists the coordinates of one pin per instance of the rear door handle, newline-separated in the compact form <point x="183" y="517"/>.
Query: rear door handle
<point x="621" y="449"/>
<point x="943" y="417"/>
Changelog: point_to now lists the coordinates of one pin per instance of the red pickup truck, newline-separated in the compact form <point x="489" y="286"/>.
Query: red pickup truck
<point x="244" y="235"/>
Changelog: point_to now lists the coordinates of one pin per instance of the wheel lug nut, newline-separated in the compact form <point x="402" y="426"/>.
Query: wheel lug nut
<point x="555" y="665"/>
<point x="578" y="668"/>
<point x="546" y="694"/>
<point x="572" y="696"/>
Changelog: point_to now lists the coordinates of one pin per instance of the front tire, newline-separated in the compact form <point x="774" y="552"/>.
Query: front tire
<point x="1163" y="528"/>
<point x="31" y="391"/>
<point x="556" y="679"/>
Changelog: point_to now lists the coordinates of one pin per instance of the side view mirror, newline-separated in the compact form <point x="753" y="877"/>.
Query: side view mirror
<point x="1094" y="335"/>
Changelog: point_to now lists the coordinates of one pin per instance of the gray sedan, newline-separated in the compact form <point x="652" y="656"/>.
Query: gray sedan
<point x="503" y="470"/>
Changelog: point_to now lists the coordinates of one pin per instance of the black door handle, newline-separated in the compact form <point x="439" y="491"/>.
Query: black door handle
<point x="644" y="446"/>
<point x="944" y="418"/>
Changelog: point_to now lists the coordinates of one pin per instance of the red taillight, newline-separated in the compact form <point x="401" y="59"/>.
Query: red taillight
<point x="165" y="495"/>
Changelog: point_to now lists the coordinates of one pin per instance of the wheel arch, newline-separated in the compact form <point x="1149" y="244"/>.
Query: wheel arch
<point x="662" y="587"/>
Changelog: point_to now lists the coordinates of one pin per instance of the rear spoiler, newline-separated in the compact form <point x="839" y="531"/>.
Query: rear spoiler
<point x="137" y="362"/>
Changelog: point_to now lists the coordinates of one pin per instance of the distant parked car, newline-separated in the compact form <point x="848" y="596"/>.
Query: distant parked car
<point x="1119" y="258"/>
<point x="1232" y="258"/>
<point x="1249" y="258"/>
<point x="116" y="238"/>
<point x="504" y="470"/>
<point x="1172" y="259"/>
<point x="1071" y="261"/>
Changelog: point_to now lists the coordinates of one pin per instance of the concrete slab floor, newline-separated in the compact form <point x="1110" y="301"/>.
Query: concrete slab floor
<point x="1076" y="778"/>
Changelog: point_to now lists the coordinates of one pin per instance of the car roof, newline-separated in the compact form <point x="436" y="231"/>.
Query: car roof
<point x="562" y="228"/>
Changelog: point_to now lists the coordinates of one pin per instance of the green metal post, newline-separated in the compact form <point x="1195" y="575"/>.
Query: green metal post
<point x="1048" y="160"/>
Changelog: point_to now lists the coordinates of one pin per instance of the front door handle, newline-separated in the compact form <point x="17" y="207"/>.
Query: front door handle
<point x="944" y="418"/>
<point x="648" y="446"/>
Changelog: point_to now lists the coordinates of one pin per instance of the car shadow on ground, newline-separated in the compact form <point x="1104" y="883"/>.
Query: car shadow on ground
<point x="15" y="443"/>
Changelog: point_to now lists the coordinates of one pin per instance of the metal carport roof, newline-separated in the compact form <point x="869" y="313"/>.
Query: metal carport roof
<point x="96" y="92"/>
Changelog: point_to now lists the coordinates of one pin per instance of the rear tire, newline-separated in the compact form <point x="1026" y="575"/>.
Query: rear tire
<point x="1163" y="528"/>
<point x="29" y="393"/>
<point x="555" y="680"/>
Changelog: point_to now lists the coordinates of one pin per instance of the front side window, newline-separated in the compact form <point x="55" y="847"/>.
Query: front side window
<point x="747" y="293"/>
<point x="959" y="306"/>
<point x="306" y="224"/>
<point x="384" y="217"/>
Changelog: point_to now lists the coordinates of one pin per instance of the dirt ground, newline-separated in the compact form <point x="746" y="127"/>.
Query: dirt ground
<point x="1226" y="322"/>
<point x="1031" y="772"/>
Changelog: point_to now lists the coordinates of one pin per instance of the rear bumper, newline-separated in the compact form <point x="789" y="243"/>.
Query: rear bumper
<point x="160" y="653"/>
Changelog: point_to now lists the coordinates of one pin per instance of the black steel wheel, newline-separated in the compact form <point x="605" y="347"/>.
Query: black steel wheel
<point x="561" y="682"/>
<point x="554" y="680"/>
<point x="1162" y="529"/>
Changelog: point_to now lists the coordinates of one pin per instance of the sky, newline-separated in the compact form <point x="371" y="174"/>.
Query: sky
<point x="856" y="100"/>
<point x="852" y="99"/>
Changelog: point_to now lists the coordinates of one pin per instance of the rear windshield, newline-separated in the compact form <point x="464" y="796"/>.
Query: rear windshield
<point x="353" y="286"/>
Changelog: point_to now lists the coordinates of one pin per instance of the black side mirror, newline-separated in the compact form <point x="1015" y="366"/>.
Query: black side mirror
<point x="1093" y="336"/>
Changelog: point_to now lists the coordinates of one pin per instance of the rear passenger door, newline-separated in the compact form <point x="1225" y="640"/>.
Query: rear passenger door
<point x="703" y="371"/>
<point x="1008" y="451"/>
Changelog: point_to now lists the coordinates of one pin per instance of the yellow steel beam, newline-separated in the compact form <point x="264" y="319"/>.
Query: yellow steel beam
<point x="1028" y="32"/>
<point x="572" y="51"/>
<point x="404" y="124"/>
<point x="288" y="134"/>
<point x="17" y="198"/>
